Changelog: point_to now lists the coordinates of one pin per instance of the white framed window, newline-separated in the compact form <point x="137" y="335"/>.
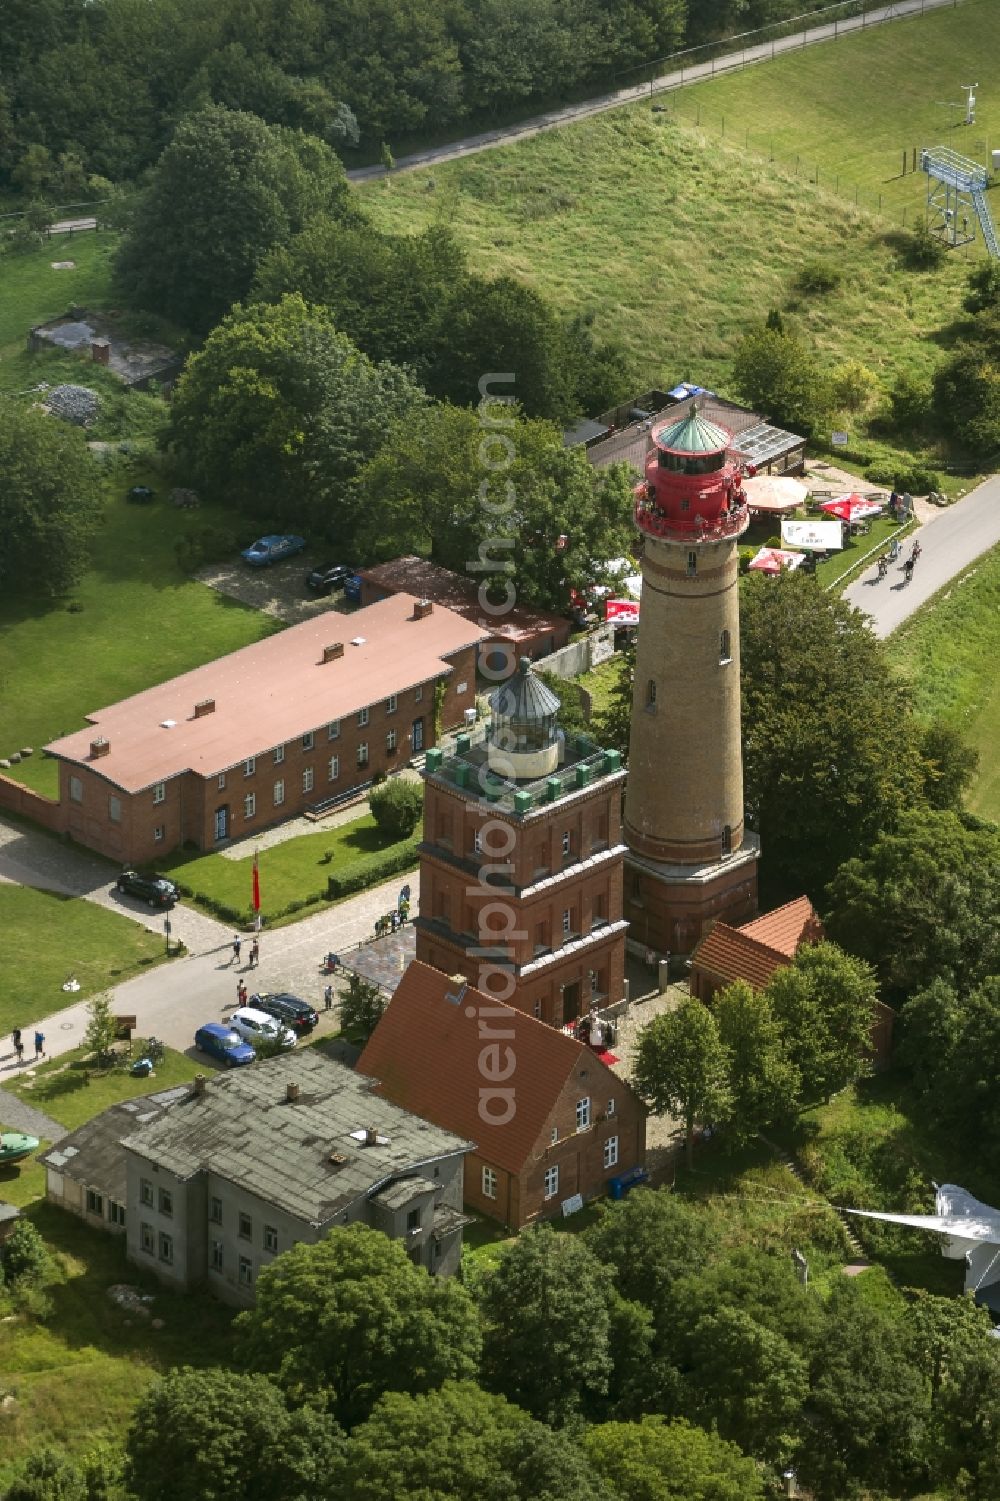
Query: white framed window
<point x="333" y="768"/>
<point x="551" y="1182"/>
<point x="245" y="1227"/>
<point x="278" y="754"/>
<point x="115" y="809"/>
<point x="390" y="704"/>
<point x="218" y="1256"/>
<point x="536" y="1009"/>
<point x="246" y="1271"/>
<point x="270" y="1238"/>
<point x="333" y="729"/>
<point x="583" y="1114"/>
<point x="692" y="562"/>
<point x="279" y="792"/>
<point x="363" y="753"/>
<point x="249" y="766"/>
<point x="159" y="832"/>
<point x="554" y="1137"/>
<point x="611" y="1152"/>
<point x="362" y="718"/>
<point x="308" y="740"/>
<point x="567" y="843"/>
<point x="166" y="1247"/>
<point x="390" y="741"/>
<point x="76" y="789"/>
<point x="308" y="778"/>
<point x="222" y="781"/>
<point x="147" y="1239"/>
<point x="215" y="1210"/>
<point x="250" y="805"/>
<point x="567" y="921"/>
<point x="651" y="694"/>
<point x="159" y="792"/>
<point x="146" y="1192"/>
<point x="725" y="649"/>
<point x="489" y="1183"/>
<point x="611" y="1107"/>
<point x="418" y="693"/>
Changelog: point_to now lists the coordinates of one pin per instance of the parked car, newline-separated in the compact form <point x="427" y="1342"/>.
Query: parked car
<point x="352" y="589"/>
<point x="257" y="1026"/>
<point x="148" y="887"/>
<point x="298" y="1015"/>
<point x="327" y="577"/>
<point x="140" y="495"/>
<point x="223" y="1044"/>
<point x="272" y="549"/>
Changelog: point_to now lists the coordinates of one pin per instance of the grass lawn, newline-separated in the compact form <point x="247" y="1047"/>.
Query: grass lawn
<point x="34" y="293"/>
<point x="949" y="652"/>
<point x="23" y="1183"/>
<point x="293" y="872"/>
<point x="71" y="1092"/>
<point x="45" y="937"/>
<point x="600" y="683"/>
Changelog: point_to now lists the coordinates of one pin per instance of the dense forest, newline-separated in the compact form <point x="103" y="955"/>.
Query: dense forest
<point x="96" y="89"/>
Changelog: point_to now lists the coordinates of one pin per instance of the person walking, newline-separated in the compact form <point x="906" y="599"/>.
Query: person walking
<point x="241" y="993"/>
<point x="15" y="1038"/>
<point x="328" y="998"/>
<point x="237" y="946"/>
<point x="39" y="1044"/>
<point x="19" y="1047"/>
<point x="254" y="954"/>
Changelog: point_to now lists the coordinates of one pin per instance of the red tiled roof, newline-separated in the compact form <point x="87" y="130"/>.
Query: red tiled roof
<point x="728" y="954"/>
<point x="427" y="1053"/>
<point x="787" y="927"/>
<point x="271" y="692"/>
<point x="430" y="581"/>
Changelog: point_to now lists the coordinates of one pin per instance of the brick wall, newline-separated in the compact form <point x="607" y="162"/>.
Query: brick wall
<point x="29" y="804"/>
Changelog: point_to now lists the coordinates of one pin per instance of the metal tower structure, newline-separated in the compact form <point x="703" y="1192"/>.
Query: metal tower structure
<point x="956" y="190"/>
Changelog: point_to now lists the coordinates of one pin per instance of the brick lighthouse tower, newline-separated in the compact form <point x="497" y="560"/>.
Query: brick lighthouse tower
<point x="690" y="860"/>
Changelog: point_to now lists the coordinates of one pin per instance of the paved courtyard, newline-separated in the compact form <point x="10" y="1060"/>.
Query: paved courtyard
<point x="279" y="590"/>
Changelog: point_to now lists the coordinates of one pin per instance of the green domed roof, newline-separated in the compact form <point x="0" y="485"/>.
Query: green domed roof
<point x="693" y="434"/>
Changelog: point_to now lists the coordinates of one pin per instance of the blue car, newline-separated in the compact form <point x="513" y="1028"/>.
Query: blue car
<point x="352" y="590"/>
<point x="223" y="1044"/>
<point x="272" y="549"/>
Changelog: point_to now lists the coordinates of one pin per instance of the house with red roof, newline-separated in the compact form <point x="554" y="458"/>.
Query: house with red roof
<point x="549" y="1119"/>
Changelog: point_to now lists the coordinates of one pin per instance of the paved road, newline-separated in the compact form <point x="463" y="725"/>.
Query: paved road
<point x="694" y="73"/>
<point x="950" y="542"/>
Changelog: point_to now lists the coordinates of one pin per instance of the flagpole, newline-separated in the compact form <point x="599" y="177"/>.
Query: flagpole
<point x="255" y="898"/>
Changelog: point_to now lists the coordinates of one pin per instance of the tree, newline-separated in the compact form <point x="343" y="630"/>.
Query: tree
<point x="102" y="1029"/>
<point x="658" y="1461"/>
<point x="50" y="502"/>
<point x="537" y="1350"/>
<point x="651" y="1240"/>
<point x="949" y="765"/>
<point x="397" y="806"/>
<point x="828" y="740"/>
<point x="984" y="288"/>
<point x="824" y="1003"/>
<point x="226" y="189"/>
<point x="613" y="727"/>
<point x="960" y="1076"/>
<point x="48" y="1475"/>
<point x="23" y="1257"/>
<point x="748" y="1382"/>
<point x="682" y="1067"/>
<point x="776" y="373"/>
<point x="966" y="398"/>
<point x="460" y="1441"/>
<point x="350" y="1318"/>
<point x="362" y="1008"/>
<point x="763" y="1082"/>
<point x="229" y="1436"/>
<point x="761" y="1284"/>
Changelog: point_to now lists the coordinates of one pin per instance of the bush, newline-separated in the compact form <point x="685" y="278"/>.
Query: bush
<point x="396" y="806"/>
<point x="854" y="385"/>
<point x="924" y="251"/>
<point x="819" y="276"/>
<point x="909" y="403"/>
<point x="917" y="481"/>
<point x="210" y="545"/>
<point x="747" y="555"/>
<point x="23" y="1254"/>
<point x="371" y="875"/>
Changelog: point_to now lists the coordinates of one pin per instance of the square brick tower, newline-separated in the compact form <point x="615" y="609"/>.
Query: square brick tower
<point x="521" y="864"/>
<point x="690" y="858"/>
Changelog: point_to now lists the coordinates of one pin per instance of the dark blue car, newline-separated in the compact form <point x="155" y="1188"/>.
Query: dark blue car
<point x="223" y="1044"/>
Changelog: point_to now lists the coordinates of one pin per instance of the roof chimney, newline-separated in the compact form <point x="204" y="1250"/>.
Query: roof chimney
<point x="204" y="706"/>
<point x="333" y="651"/>
<point x="100" y="747"/>
<point x="291" y="1093"/>
<point x="422" y="609"/>
<point x="199" y="1083"/>
<point x="371" y="1136"/>
<point x="100" y="351"/>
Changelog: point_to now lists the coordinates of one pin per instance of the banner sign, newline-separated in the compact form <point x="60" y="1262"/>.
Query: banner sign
<point x="622" y="611"/>
<point x="814" y="536"/>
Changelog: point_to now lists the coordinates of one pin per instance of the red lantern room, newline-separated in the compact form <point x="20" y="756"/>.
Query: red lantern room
<point x="693" y="490"/>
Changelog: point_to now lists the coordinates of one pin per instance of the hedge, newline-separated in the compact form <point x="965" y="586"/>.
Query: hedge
<point x="402" y="860"/>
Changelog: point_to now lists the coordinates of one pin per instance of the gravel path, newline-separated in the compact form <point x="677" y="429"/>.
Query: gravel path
<point x="17" y="1116"/>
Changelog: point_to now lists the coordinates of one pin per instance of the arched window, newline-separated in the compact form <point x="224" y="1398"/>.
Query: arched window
<point x="692" y="562"/>
<point x="651" y="694"/>
<point x="727" y="840"/>
<point x="725" y="651"/>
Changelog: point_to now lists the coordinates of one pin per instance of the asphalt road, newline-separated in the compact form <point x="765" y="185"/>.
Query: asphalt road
<point x="949" y="543"/>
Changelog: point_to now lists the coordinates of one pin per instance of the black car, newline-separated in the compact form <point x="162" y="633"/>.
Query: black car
<point x="327" y="577"/>
<point x="151" y="888"/>
<point x="141" y="495"/>
<point x="298" y="1015"/>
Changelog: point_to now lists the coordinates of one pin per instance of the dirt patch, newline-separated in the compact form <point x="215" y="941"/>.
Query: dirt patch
<point x="279" y="590"/>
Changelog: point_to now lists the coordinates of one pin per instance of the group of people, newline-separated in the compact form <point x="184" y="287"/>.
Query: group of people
<point x="238" y="949"/>
<point x="18" y="1042"/>
<point x="893" y="554"/>
<point x="394" y="919"/>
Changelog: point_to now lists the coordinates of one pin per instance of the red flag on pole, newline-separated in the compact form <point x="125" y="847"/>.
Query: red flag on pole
<point x="256" y="884"/>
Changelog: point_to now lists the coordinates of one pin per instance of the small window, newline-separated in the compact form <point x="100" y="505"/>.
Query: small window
<point x="536" y="1009"/>
<point x="363" y="753"/>
<point x="159" y="792"/>
<point x="489" y="1183"/>
<point x="418" y="693"/>
<point x="222" y="781"/>
<point x="333" y="768"/>
<point x="727" y="840"/>
<point x="95" y="1203"/>
<point x="477" y="842"/>
<point x="363" y="718"/>
<point x="279" y="793"/>
<point x="146" y="1192"/>
<point x="115" y="809"/>
<point x="611" y="1107"/>
<point x="692" y="562"/>
<point x="413" y="1220"/>
<point x="390" y="704"/>
<point x="218" y="1257"/>
<point x="390" y="741"/>
<point x="166" y="1201"/>
<point x="583" y="1114"/>
<point x="116" y="1214"/>
<point x="567" y="922"/>
<point x="611" y="1152"/>
<point x="308" y="778"/>
<point x="215" y="1210"/>
<point x="250" y="805"/>
<point x="249" y="766"/>
<point x="636" y="886"/>
<point x="246" y="1271"/>
<point x="166" y="1248"/>
<point x="147" y="1239"/>
<point x="308" y="739"/>
<point x="567" y="843"/>
<point x="551" y="1182"/>
<point x="725" y="650"/>
<point x="246" y="1227"/>
<point x="270" y="1238"/>
<point x="554" y="1137"/>
<point x="278" y="754"/>
<point x="651" y="694"/>
<point x="333" y="729"/>
<point x="159" y="832"/>
<point x="76" y="789"/>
